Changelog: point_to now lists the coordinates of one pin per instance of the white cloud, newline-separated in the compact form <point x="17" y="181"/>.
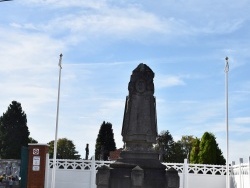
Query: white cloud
<point x="162" y="81"/>
<point x="95" y="4"/>
<point x="27" y="51"/>
<point x="218" y="27"/>
<point x="117" y="21"/>
<point x="239" y="149"/>
<point x="124" y="20"/>
<point x="242" y="120"/>
<point x="29" y="68"/>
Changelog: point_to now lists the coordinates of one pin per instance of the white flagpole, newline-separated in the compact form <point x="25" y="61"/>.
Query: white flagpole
<point x="226" y="93"/>
<point x="53" y="182"/>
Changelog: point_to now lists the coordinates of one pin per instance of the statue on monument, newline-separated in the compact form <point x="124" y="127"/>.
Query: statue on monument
<point x="139" y="129"/>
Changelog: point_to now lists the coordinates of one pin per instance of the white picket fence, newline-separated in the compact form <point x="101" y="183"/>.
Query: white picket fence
<point x="82" y="173"/>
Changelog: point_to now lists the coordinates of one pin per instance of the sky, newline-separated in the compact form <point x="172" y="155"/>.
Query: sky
<point x="184" y="42"/>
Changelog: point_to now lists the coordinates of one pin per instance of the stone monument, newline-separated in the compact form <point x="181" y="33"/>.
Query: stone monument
<point x="138" y="165"/>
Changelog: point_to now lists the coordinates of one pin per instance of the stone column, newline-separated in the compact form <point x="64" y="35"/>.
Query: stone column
<point x="137" y="177"/>
<point x="173" y="179"/>
<point x="102" y="177"/>
<point x="37" y="165"/>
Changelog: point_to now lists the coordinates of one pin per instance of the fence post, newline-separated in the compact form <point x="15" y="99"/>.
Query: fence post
<point x="93" y="172"/>
<point x="232" y="175"/>
<point x="241" y="161"/>
<point x="185" y="174"/>
<point x="249" y="170"/>
<point x="47" y="171"/>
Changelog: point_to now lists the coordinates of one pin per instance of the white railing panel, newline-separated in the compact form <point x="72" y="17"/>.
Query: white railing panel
<point x="81" y="173"/>
<point x="199" y="168"/>
<point x="206" y="181"/>
<point x="74" y="178"/>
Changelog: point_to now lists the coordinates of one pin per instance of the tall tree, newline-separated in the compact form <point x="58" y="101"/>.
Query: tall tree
<point x="187" y="142"/>
<point x="105" y="141"/>
<point x="165" y="146"/>
<point x="220" y="160"/>
<point x="207" y="154"/>
<point x="210" y="152"/>
<point x="32" y="140"/>
<point x="179" y="153"/>
<point x="14" y="131"/>
<point x="65" y="149"/>
<point x="194" y="158"/>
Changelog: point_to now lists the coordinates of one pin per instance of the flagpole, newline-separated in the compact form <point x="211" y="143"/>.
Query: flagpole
<point x="226" y="94"/>
<point x="53" y="182"/>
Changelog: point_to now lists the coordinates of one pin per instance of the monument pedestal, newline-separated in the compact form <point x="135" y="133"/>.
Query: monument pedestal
<point x="152" y="172"/>
<point x="128" y="174"/>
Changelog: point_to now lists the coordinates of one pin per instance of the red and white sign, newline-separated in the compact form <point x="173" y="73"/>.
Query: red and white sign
<point x="35" y="151"/>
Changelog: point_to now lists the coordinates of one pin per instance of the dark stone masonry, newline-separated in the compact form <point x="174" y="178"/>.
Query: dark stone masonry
<point x="138" y="165"/>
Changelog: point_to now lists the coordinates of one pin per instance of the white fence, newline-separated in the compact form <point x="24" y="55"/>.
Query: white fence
<point x="81" y="174"/>
<point x="200" y="176"/>
<point x="73" y="173"/>
<point x="240" y="175"/>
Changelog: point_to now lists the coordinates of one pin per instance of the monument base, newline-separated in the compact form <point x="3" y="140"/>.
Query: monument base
<point x="143" y="159"/>
<point x="136" y="172"/>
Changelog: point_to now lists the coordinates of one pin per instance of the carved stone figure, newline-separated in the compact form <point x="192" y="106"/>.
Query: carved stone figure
<point x="139" y="123"/>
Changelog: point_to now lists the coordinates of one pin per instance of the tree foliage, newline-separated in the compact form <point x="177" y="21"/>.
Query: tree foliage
<point x="14" y="131"/>
<point x="210" y="152"/>
<point x="173" y="151"/>
<point x="165" y="146"/>
<point x="194" y="158"/>
<point x="105" y="141"/>
<point x="220" y="160"/>
<point x="206" y="151"/>
<point x="207" y="154"/>
<point x="178" y="154"/>
<point x="32" y="140"/>
<point x="202" y="151"/>
<point x="65" y="149"/>
<point x="187" y="142"/>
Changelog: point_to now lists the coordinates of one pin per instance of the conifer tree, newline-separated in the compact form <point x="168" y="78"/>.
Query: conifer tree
<point x="105" y="142"/>
<point x="14" y="132"/>
<point x="209" y="151"/>
<point x="207" y="154"/>
<point x="194" y="158"/>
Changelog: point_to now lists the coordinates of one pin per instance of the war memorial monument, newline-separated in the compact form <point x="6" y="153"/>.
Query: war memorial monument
<point x="138" y="165"/>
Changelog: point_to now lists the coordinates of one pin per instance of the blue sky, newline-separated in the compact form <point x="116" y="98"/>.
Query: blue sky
<point x="184" y="42"/>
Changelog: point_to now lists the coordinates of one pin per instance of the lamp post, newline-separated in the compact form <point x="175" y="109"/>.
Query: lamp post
<point x="57" y="115"/>
<point x="226" y="96"/>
